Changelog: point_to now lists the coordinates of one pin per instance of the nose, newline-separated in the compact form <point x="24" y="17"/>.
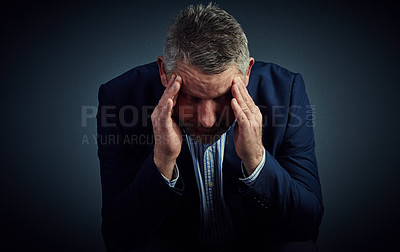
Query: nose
<point x="206" y="113"/>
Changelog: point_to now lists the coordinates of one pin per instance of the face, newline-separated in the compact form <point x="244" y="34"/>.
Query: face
<point x="203" y="107"/>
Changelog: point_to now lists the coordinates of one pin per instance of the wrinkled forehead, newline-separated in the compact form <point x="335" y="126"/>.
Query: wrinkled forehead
<point x="206" y="89"/>
<point x="205" y="86"/>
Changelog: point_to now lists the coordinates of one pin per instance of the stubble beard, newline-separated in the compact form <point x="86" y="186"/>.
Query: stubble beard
<point x="205" y="135"/>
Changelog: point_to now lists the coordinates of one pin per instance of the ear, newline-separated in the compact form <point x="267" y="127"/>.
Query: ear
<point x="247" y="77"/>
<point x="161" y="69"/>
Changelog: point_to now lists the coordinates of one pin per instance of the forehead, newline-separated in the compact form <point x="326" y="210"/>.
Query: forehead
<point x="205" y="86"/>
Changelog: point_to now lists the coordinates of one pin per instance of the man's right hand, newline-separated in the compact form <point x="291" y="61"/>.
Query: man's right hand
<point x="167" y="134"/>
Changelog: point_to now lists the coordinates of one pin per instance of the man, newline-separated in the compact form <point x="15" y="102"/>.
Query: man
<point x="226" y="160"/>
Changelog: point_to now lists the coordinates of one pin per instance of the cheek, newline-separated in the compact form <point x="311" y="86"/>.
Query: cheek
<point x="225" y="111"/>
<point x="225" y="116"/>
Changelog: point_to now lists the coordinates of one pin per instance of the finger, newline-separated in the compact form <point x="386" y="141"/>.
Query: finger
<point x="171" y="80"/>
<point x="165" y="114"/>
<point x="245" y="94"/>
<point x="171" y="91"/>
<point x="241" y="117"/>
<point x="176" y="92"/>
<point x="169" y="85"/>
<point x="237" y="94"/>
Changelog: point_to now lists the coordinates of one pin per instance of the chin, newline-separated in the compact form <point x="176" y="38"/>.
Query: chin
<point x="203" y="135"/>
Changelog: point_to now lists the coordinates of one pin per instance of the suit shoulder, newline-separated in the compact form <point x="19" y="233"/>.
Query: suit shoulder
<point x="262" y="70"/>
<point x="271" y="84"/>
<point x="139" y="84"/>
<point x="143" y="72"/>
<point x="272" y="77"/>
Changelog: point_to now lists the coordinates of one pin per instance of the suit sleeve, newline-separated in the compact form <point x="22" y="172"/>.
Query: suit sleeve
<point x="288" y="184"/>
<point x="135" y="195"/>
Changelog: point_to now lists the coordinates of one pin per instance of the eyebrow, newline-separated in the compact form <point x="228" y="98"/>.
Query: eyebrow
<point x="195" y="97"/>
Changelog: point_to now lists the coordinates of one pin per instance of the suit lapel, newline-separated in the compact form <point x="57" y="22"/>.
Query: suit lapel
<point x="231" y="169"/>
<point x="186" y="170"/>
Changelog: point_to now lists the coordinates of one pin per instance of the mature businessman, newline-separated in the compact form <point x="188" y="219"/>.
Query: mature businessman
<point x="210" y="149"/>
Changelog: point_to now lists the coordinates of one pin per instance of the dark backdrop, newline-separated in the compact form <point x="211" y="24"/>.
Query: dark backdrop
<point x="54" y="57"/>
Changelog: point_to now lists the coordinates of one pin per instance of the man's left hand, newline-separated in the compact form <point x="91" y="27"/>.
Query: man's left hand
<point x="248" y="129"/>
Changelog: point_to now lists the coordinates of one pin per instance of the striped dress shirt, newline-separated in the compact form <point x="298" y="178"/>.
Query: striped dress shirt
<point x="217" y="228"/>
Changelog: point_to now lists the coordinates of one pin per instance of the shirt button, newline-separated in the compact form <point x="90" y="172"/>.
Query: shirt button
<point x="211" y="184"/>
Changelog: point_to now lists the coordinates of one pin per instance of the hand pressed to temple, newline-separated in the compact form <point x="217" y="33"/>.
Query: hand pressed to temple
<point x="167" y="134"/>
<point x="248" y="130"/>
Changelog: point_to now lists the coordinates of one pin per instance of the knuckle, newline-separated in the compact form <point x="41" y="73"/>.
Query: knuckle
<point x="245" y="109"/>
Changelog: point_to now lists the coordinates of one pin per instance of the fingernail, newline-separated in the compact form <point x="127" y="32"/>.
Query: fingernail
<point x="236" y="102"/>
<point x="173" y="76"/>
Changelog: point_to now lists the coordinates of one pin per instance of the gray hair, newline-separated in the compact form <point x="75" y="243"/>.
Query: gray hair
<point x="206" y="37"/>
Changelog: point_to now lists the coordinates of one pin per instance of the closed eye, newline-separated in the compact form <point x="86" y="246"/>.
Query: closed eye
<point x="223" y="98"/>
<point x="191" y="99"/>
<point x="195" y="99"/>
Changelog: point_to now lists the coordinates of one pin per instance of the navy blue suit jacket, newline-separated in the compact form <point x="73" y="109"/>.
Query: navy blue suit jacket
<point x="138" y="206"/>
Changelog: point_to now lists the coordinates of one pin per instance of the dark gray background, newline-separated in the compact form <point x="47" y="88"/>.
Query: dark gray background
<point x="54" y="57"/>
